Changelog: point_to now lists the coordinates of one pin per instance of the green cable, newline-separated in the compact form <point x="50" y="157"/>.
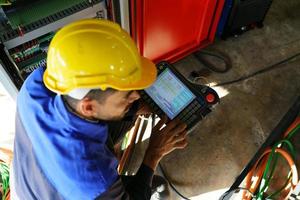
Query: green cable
<point x="282" y="142"/>
<point x="263" y="184"/>
<point x="285" y="184"/>
<point x="4" y="173"/>
<point x="275" y="155"/>
<point x="266" y="181"/>
<point x="292" y="132"/>
<point x="290" y="148"/>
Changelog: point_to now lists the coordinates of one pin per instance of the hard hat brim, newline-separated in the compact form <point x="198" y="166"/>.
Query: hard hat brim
<point x="148" y="74"/>
<point x="147" y="78"/>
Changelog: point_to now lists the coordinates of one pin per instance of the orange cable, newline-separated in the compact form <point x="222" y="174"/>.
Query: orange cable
<point x="249" y="176"/>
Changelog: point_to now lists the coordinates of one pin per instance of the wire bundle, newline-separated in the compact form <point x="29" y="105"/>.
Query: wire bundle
<point x="25" y="51"/>
<point x="259" y="178"/>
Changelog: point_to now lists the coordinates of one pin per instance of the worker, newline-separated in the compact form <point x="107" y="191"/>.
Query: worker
<point x="63" y="144"/>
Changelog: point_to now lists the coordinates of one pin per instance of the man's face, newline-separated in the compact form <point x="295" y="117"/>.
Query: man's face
<point x="116" y="105"/>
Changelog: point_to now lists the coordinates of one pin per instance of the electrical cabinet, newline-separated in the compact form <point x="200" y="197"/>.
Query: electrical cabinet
<point x="27" y="27"/>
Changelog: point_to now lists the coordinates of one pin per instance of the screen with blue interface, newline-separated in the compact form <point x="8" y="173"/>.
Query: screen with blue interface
<point x="170" y="94"/>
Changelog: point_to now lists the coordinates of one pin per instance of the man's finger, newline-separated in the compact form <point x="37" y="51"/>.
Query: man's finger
<point x="179" y="137"/>
<point x="173" y="125"/>
<point x="180" y="127"/>
<point x="180" y="145"/>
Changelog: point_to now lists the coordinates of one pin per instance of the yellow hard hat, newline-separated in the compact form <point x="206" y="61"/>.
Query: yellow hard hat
<point x="94" y="53"/>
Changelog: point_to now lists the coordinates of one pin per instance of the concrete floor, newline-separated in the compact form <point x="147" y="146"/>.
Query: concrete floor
<point x="224" y="142"/>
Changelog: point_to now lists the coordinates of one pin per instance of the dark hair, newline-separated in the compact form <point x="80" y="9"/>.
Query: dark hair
<point x="95" y="94"/>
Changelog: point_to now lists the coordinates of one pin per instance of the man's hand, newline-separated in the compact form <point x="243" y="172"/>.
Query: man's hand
<point x="165" y="140"/>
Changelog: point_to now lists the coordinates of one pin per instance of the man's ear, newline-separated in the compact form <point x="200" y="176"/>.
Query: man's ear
<point x="87" y="107"/>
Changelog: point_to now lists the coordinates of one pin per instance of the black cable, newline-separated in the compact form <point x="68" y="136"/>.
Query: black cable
<point x="219" y="55"/>
<point x="264" y="70"/>
<point x="171" y="185"/>
<point x="226" y="60"/>
<point x="154" y="116"/>
<point x="234" y="191"/>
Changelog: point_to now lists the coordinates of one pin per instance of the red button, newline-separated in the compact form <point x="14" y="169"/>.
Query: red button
<point x="210" y="98"/>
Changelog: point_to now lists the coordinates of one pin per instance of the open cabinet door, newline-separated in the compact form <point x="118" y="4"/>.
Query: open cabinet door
<point x="171" y="29"/>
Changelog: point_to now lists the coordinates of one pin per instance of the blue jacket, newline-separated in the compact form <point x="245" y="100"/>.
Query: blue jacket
<point x="58" y="155"/>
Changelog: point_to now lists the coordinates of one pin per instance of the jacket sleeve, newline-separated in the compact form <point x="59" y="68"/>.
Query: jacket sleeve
<point x="131" y="187"/>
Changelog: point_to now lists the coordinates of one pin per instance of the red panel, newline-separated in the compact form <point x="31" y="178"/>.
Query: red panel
<point x="171" y="29"/>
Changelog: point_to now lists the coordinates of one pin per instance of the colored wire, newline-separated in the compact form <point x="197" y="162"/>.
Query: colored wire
<point x="266" y="180"/>
<point x="4" y="173"/>
<point x="291" y="163"/>
<point x="256" y="171"/>
<point x="292" y="126"/>
<point x="295" y="130"/>
<point x="269" y="170"/>
<point x="292" y="132"/>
